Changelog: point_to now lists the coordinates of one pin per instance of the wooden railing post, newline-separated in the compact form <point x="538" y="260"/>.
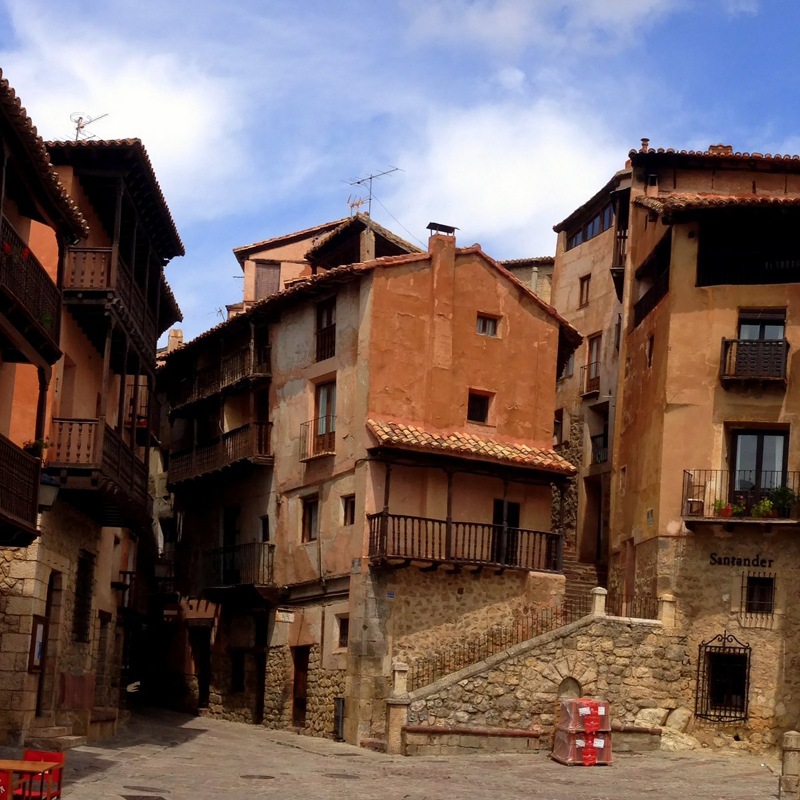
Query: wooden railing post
<point x="384" y="544"/>
<point x="448" y="535"/>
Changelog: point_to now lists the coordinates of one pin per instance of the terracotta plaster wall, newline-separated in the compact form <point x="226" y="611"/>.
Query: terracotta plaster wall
<point x="425" y="354"/>
<point x="291" y="256"/>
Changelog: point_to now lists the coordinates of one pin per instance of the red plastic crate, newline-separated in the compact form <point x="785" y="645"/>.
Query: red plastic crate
<point x="577" y="748"/>
<point x="584" y="714"/>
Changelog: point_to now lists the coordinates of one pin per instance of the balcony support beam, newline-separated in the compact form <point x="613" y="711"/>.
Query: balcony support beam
<point x="123" y="388"/>
<point x="41" y="402"/>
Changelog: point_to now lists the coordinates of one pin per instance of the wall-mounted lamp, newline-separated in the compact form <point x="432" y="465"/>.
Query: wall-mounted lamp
<point x="48" y="491"/>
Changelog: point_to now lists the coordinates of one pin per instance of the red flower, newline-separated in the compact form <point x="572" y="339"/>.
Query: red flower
<point x="6" y="248"/>
<point x="26" y="252"/>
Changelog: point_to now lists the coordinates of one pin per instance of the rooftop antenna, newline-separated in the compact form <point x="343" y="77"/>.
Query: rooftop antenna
<point x="81" y="120"/>
<point x="367" y="181"/>
<point x="354" y="202"/>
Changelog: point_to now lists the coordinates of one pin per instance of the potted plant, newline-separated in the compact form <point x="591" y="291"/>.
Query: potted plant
<point x="722" y="509"/>
<point x="762" y="509"/>
<point x="783" y="500"/>
<point x="36" y="447"/>
<point x="739" y="508"/>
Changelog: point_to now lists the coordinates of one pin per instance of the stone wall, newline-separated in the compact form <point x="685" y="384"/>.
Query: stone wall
<point x="637" y="666"/>
<point x="570" y="448"/>
<point x="323" y="687"/>
<point x="278" y="688"/>
<point x="223" y="702"/>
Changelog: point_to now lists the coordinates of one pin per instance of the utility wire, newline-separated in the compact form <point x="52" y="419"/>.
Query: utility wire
<point x="375" y="197"/>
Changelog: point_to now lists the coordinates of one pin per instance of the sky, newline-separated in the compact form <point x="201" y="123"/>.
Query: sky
<point x="502" y="115"/>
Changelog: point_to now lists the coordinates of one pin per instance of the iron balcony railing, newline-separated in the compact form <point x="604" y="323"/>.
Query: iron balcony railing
<point x="742" y="494"/>
<point x="753" y="359"/>
<point x="250" y="564"/>
<point x="326" y="342"/>
<point x="248" y="441"/>
<point x="318" y="437"/>
<point x="638" y="606"/>
<point x="23" y="276"/>
<point x="496" y="639"/>
<point x="651" y="298"/>
<point x="91" y="444"/>
<point x="91" y="269"/>
<point x="19" y="485"/>
<point x="590" y="378"/>
<point x="229" y="370"/>
<point x="436" y="540"/>
<point x="599" y="448"/>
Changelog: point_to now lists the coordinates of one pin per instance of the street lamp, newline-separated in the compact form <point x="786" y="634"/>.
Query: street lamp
<point x="48" y="491"/>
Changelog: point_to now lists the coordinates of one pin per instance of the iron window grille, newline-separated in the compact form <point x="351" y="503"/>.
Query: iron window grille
<point x="723" y="679"/>
<point x="758" y="594"/>
<point x="344" y="631"/>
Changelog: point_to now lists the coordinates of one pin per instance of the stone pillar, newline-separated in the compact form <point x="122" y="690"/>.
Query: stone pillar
<point x="790" y="773"/>
<point x="599" y="601"/>
<point x="397" y="710"/>
<point x="666" y="610"/>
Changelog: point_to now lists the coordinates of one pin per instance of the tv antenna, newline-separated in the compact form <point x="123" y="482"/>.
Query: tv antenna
<point x="81" y="121"/>
<point x="367" y="181"/>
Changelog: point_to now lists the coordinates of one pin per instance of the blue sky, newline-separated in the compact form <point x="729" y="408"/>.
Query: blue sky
<point x="503" y="114"/>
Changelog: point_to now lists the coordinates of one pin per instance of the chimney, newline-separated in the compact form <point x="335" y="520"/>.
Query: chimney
<point x="440" y="231"/>
<point x="645" y="145"/>
<point x="720" y="149"/>
<point x="175" y="339"/>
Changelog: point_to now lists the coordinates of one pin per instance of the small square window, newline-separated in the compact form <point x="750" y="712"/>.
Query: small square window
<point x="344" y="631"/>
<point x="584" y="291"/>
<point x="349" y="509"/>
<point x="478" y="407"/>
<point x="310" y="519"/>
<point x="758" y="594"/>
<point x="487" y="326"/>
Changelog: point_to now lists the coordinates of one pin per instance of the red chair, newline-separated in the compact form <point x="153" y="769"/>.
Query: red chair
<point x="40" y="788"/>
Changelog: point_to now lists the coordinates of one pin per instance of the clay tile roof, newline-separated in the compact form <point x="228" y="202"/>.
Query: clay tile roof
<point x="139" y="151"/>
<point x="361" y="219"/>
<point x="242" y="251"/>
<point x="39" y="158"/>
<point x="715" y="151"/>
<point x="414" y="437"/>
<point x="692" y="201"/>
<point x="520" y="262"/>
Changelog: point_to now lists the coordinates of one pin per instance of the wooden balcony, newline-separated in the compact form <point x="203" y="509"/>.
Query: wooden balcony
<point x="228" y="371"/>
<point x="250" y="442"/>
<point x="398" y="537"/>
<point x="29" y="299"/>
<point x="19" y="495"/>
<point x="731" y="496"/>
<point x="248" y="564"/>
<point x="599" y="448"/>
<point x="92" y="277"/>
<point x="753" y="360"/>
<point x="318" y="438"/>
<point x="590" y="378"/>
<point x="91" y="455"/>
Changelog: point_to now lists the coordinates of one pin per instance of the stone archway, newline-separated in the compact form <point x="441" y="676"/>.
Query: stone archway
<point x="569" y="689"/>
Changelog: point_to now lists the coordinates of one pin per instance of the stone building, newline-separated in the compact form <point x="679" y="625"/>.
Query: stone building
<point x="372" y="482"/>
<point x="87" y="228"/>
<point x="704" y="495"/>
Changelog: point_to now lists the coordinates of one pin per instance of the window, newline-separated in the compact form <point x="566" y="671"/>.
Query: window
<point x="324" y="426"/>
<point x="583" y="299"/>
<point x="265" y="528"/>
<point x="487" y="326"/>
<point x="237" y="670"/>
<point x="755" y="325"/>
<point x="760" y="460"/>
<point x="268" y="279"/>
<point x="592" y="368"/>
<point x="349" y="509"/>
<point x="478" y="407"/>
<point x="650" y="344"/>
<point x="569" y="368"/>
<point x="723" y="678"/>
<point x="344" y="631"/>
<point x="84" y="589"/>
<point x="618" y="333"/>
<point x="558" y="427"/>
<point x="326" y="329"/>
<point x="608" y="217"/>
<point x="600" y="222"/>
<point x="310" y="519"/>
<point x="758" y="593"/>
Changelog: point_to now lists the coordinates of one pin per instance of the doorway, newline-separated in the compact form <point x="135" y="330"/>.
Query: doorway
<point x="45" y="690"/>
<point x="300" y="658"/>
<point x="200" y="644"/>
<point x="760" y="463"/>
<point x="504" y="551"/>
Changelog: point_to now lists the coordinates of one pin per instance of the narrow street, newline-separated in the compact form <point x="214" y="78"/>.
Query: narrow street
<point x="174" y="757"/>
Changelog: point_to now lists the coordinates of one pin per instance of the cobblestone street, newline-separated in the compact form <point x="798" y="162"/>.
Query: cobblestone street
<point x="164" y="755"/>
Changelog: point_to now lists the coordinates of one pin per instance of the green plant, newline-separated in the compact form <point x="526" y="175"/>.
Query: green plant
<point x="739" y="508"/>
<point x="763" y="508"/>
<point x="782" y="498"/>
<point x="36" y="447"/>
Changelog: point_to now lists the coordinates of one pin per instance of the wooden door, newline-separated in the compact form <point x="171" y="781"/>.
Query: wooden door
<point x="300" y="656"/>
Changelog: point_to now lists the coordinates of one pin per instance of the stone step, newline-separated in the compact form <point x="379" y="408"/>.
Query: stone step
<point x="378" y="745"/>
<point x="50" y="731"/>
<point x="57" y="744"/>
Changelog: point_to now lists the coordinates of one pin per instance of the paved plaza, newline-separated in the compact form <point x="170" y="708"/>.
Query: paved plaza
<point x="175" y="757"/>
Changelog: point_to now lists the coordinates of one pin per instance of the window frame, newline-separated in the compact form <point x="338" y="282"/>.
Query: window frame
<point x="348" y="509"/>
<point x="569" y="368"/>
<point x="488" y="321"/>
<point x="309" y="528"/>
<point x="721" y="647"/>
<point x="584" y="290"/>
<point x="758" y="606"/>
<point x="483" y="396"/>
<point x="342" y="618"/>
<point x="558" y="427"/>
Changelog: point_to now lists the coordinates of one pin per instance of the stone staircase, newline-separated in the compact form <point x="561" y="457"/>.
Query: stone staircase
<point x="46" y="735"/>
<point x="581" y="577"/>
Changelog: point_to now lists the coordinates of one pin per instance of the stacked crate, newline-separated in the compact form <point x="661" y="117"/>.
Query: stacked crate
<point x="583" y="732"/>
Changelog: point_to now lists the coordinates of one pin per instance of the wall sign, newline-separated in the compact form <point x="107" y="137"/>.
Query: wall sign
<point x="735" y="561"/>
<point x="284" y="615"/>
<point x="36" y="655"/>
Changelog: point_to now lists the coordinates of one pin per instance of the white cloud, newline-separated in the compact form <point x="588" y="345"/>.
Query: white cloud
<point x="739" y="7"/>
<point x="511" y="80"/>
<point x="505" y="173"/>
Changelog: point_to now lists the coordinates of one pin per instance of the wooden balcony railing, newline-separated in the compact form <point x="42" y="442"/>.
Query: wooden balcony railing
<point x="740" y="494"/>
<point x="213" y="378"/>
<point x="239" y="565"/>
<point x="326" y="342"/>
<point x="590" y="378"/>
<point x="23" y="276"/>
<point x="753" y="360"/>
<point x="19" y="485"/>
<point x="433" y="540"/>
<point x="599" y="448"/>
<point x="89" y="444"/>
<point x="318" y="437"/>
<point x="249" y="441"/>
<point x="90" y="269"/>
